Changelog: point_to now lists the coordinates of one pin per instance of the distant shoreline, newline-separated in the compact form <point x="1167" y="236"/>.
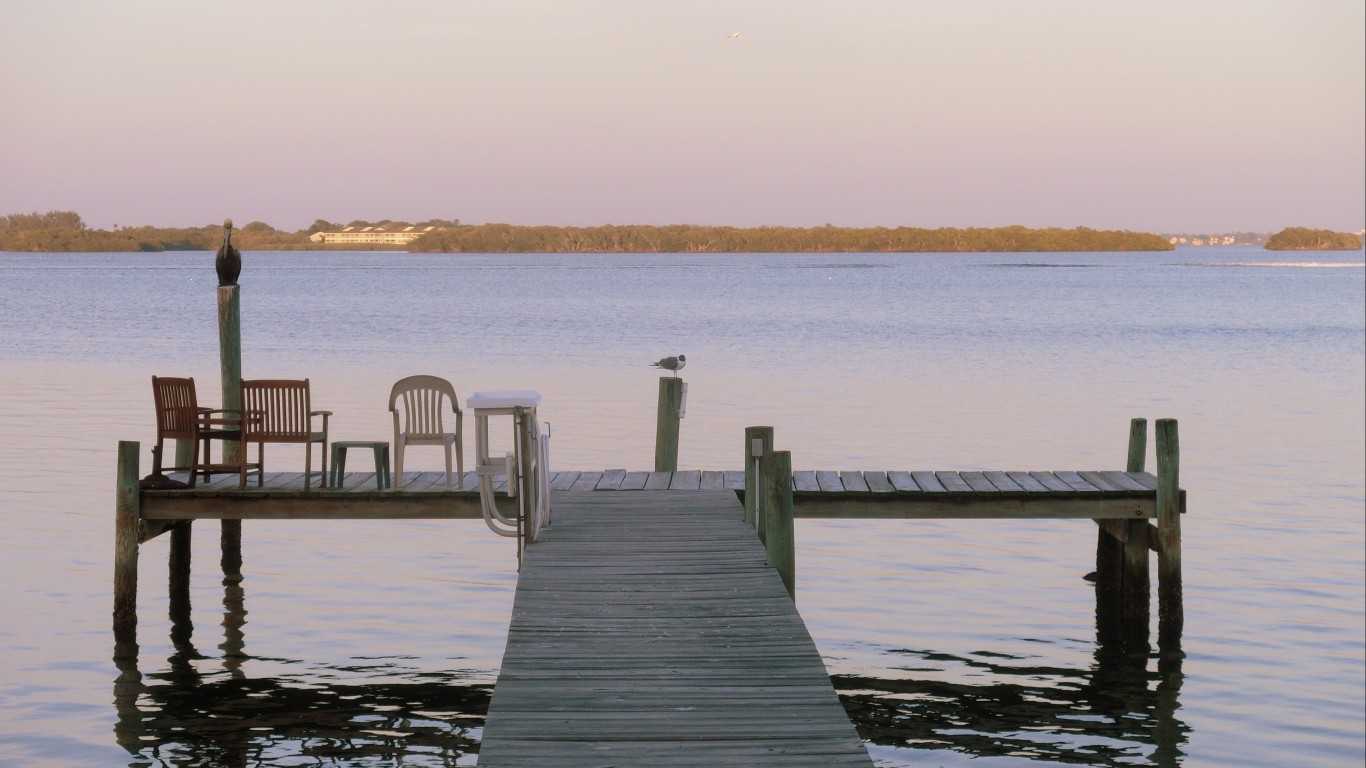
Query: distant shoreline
<point x="65" y="232"/>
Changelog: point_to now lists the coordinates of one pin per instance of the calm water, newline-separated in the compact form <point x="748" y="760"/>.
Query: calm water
<point x="953" y="643"/>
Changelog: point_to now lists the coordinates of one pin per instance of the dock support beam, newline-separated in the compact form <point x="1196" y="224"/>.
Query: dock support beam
<point x="666" y="423"/>
<point x="779" y="534"/>
<point x="758" y="443"/>
<point x="1170" y="613"/>
<point x="127" y="536"/>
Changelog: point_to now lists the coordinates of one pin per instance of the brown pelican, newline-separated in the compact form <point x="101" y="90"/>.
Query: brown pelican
<point x="229" y="261"/>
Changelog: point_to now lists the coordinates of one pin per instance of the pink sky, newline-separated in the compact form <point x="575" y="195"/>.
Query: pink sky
<point x="1169" y="116"/>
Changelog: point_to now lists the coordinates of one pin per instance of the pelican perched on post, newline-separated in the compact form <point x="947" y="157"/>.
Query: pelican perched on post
<point x="229" y="261"/>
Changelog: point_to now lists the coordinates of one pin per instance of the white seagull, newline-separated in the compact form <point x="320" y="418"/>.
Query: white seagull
<point x="674" y="364"/>
<point x="734" y="35"/>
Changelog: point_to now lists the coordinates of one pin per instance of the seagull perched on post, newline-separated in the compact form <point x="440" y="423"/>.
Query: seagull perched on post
<point x="674" y="364"/>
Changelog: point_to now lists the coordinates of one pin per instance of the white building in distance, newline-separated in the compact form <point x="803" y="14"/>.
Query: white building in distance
<point x="369" y="236"/>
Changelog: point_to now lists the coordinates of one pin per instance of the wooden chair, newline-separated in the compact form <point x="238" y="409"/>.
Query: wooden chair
<point x="424" y="399"/>
<point x="280" y="411"/>
<point x="180" y="417"/>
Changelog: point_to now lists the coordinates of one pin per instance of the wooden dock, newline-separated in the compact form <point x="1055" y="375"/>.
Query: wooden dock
<point x="647" y="629"/>
<point x="651" y="625"/>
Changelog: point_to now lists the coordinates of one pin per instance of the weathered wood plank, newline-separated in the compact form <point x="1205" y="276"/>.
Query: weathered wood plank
<point x="878" y="482"/>
<point x="1123" y="480"/>
<point x="853" y="482"/>
<point x="805" y="480"/>
<point x="712" y="481"/>
<point x="686" y="480"/>
<point x="735" y="480"/>
<point x="1028" y="482"/>
<point x="1075" y="482"/>
<point x="563" y="481"/>
<point x="634" y="481"/>
<point x="1051" y="482"/>
<point x="1003" y="482"/>
<point x="611" y="479"/>
<point x="829" y="481"/>
<point x="1099" y="480"/>
<point x="903" y="482"/>
<point x="659" y="481"/>
<point x="953" y="482"/>
<point x="1145" y="479"/>
<point x="587" y="481"/>
<point x="928" y="482"/>
<point x="978" y="482"/>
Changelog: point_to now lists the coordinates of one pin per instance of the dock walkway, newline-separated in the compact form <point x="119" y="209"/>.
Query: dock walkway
<point x="647" y="630"/>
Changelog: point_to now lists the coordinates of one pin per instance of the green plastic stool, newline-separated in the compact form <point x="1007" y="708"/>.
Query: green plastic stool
<point x="381" y="449"/>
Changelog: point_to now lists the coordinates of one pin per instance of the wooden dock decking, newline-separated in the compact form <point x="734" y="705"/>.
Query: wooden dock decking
<point x="1097" y="495"/>
<point x="648" y="630"/>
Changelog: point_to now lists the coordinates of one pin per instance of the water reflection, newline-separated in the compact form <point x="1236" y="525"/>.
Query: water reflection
<point x="1118" y="712"/>
<point x="201" y="711"/>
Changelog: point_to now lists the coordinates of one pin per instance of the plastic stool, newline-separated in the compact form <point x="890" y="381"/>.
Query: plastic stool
<point x="381" y="449"/>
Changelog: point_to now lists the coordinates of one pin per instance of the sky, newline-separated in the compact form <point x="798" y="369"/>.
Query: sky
<point x="1169" y="116"/>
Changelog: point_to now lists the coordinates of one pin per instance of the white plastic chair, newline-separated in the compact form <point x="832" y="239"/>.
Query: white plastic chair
<point x="423" y="399"/>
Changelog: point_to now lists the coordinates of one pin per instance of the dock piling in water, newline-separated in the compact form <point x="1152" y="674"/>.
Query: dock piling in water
<point x="667" y="422"/>
<point x="230" y="363"/>
<point x="1170" y="613"/>
<point x="758" y="442"/>
<point x="775" y="470"/>
<point x="1122" y="584"/>
<point x="127" y="535"/>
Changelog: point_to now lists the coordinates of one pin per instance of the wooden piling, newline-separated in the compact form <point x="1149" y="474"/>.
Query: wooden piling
<point x="1135" y="587"/>
<point x="127" y="534"/>
<point x="666" y="423"/>
<point x="776" y="505"/>
<point x="1170" y="613"/>
<point x="230" y="363"/>
<point x="230" y="356"/>
<point x="753" y="452"/>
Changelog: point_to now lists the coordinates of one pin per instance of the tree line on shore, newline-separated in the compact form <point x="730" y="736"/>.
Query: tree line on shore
<point x="682" y="238"/>
<point x="1301" y="239"/>
<point x="64" y="231"/>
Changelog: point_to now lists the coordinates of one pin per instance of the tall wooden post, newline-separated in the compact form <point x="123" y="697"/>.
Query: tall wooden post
<point x="1135" y="586"/>
<point x="666" y="423"/>
<point x="230" y="361"/>
<point x="230" y="356"/>
<point x="127" y="535"/>
<point x="758" y="442"/>
<point x="1170" y="613"/>
<point x="779" y="528"/>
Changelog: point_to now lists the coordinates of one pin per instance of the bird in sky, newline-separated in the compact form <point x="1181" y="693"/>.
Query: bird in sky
<point x="674" y="364"/>
<point x="734" y="35"/>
